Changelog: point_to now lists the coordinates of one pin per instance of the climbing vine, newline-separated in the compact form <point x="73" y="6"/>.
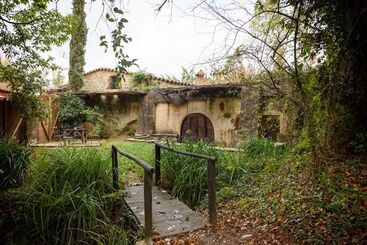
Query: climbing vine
<point x="77" y="46"/>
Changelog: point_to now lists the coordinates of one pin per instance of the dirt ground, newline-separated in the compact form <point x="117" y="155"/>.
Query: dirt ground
<point x="233" y="227"/>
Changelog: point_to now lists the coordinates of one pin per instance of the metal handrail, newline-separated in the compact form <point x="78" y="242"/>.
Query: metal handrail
<point x="148" y="183"/>
<point x="211" y="176"/>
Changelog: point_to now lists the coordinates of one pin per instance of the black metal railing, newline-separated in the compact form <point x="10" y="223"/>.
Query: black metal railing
<point x="148" y="183"/>
<point x="211" y="176"/>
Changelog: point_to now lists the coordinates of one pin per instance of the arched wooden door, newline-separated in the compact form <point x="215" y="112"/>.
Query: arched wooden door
<point x="197" y="126"/>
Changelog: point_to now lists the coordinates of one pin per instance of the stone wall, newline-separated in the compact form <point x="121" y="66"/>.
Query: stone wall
<point x="101" y="80"/>
<point x="250" y="111"/>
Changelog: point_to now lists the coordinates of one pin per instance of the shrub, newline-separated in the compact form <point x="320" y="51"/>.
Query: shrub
<point x="71" y="110"/>
<point x="142" y="80"/>
<point x="14" y="162"/>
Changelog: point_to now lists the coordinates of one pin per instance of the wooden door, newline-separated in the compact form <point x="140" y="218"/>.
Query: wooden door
<point x="197" y="126"/>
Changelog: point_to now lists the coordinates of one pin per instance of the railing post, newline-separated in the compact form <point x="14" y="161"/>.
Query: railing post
<point x="148" y="214"/>
<point x="212" y="193"/>
<point x="115" y="173"/>
<point x="157" y="164"/>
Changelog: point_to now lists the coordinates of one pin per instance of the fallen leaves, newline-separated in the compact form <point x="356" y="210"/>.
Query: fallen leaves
<point x="233" y="227"/>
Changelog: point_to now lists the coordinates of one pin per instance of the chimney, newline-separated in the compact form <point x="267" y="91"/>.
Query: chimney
<point x="200" y="78"/>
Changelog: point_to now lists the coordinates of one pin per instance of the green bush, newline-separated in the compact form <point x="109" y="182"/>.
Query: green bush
<point x="14" y="162"/>
<point x="71" y="110"/>
<point x="142" y="80"/>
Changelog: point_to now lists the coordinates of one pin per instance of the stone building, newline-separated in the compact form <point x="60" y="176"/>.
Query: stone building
<point x="214" y="112"/>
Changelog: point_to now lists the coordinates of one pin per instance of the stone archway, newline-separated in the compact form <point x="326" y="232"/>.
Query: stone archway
<point x="197" y="126"/>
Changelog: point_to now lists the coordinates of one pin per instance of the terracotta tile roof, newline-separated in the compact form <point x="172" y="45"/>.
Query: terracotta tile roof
<point x="130" y="73"/>
<point x="4" y="88"/>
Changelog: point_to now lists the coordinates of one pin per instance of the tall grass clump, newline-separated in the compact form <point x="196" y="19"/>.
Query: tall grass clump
<point x="252" y="157"/>
<point x="14" y="162"/>
<point x="65" y="202"/>
<point x="184" y="176"/>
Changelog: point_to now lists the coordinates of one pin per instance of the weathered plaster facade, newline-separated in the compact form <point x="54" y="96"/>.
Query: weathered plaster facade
<point x="123" y="109"/>
<point x="163" y="111"/>
<point x="222" y="112"/>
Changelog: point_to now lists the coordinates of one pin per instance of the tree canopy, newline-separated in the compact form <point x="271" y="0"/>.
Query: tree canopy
<point x="309" y="53"/>
<point x="28" y="30"/>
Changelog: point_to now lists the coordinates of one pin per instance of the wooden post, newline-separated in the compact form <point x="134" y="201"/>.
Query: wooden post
<point x="212" y="193"/>
<point x="148" y="212"/>
<point x="115" y="173"/>
<point x="157" y="164"/>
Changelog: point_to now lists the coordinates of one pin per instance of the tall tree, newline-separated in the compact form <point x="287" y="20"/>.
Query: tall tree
<point x="77" y="46"/>
<point x="314" y="53"/>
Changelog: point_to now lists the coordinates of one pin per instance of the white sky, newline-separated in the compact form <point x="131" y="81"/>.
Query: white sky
<point x="162" y="43"/>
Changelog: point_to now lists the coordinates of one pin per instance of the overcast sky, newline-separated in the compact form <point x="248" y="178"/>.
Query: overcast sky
<point x="162" y="43"/>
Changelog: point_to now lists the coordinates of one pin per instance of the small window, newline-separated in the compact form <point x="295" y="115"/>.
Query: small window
<point x="115" y="82"/>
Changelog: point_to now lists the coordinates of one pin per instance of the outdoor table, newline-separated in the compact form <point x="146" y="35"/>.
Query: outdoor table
<point x="76" y="133"/>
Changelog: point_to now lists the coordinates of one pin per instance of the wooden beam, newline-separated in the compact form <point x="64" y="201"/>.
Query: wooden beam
<point x="54" y="124"/>
<point x="45" y="130"/>
<point x="17" y="127"/>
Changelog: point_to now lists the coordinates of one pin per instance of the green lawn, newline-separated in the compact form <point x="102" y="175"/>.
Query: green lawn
<point x="130" y="172"/>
